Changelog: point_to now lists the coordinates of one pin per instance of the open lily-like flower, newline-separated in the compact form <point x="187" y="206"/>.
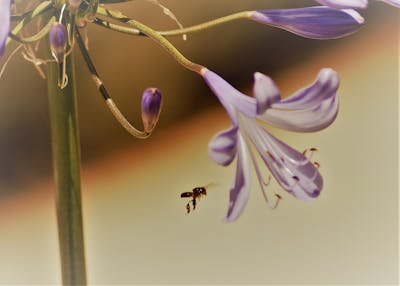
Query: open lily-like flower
<point x="4" y="23"/>
<point x="354" y="4"/>
<point x="309" y="109"/>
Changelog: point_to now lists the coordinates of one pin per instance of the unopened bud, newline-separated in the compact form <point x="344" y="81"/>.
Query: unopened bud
<point x="58" y="37"/>
<point x="151" y="108"/>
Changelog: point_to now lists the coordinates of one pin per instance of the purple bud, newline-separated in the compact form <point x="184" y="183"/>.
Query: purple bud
<point x="151" y="107"/>
<point x="58" y="41"/>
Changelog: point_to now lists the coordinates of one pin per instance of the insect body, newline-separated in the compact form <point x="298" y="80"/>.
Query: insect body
<point x="195" y="194"/>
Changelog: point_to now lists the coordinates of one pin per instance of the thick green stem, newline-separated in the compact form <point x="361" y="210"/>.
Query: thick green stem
<point x="66" y="164"/>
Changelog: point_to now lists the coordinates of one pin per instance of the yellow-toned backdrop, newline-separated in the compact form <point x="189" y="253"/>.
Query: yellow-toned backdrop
<point x="137" y="231"/>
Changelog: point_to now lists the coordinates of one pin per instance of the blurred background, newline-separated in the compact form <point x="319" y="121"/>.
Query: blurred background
<point x="137" y="231"/>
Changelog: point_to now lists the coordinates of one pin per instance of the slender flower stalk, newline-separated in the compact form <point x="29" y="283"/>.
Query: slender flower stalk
<point x="66" y="165"/>
<point x="312" y="22"/>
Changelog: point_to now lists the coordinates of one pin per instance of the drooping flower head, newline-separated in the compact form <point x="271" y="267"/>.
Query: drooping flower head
<point x="309" y="109"/>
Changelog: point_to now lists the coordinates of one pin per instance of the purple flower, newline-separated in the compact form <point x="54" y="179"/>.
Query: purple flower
<point x="309" y="109"/>
<point x="354" y="4"/>
<point x="4" y="23"/>
<point x="313" y="22"/>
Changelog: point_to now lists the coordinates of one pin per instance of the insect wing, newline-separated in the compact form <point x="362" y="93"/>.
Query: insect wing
<point x="187" y="195"/>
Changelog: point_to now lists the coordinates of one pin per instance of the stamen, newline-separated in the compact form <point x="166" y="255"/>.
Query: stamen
<point x="278" y="199"/>
<point x="262" y="182"/>
<point x="267" y="182"/>
<point x="312" y="150"/>
<point x="317" y="164"/>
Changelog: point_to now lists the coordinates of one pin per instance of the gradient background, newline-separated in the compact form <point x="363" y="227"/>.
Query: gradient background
<point x="137" y="231"/>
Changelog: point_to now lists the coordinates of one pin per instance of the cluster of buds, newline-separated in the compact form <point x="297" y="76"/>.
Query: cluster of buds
<point x="310" y="109"/>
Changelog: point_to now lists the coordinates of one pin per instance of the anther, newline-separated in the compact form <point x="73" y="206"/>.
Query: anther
<point x="312" y="150"/>
<point x="278" y="199"/>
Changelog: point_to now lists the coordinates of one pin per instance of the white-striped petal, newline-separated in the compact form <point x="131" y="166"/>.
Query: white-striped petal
<point x="239" y="193"/>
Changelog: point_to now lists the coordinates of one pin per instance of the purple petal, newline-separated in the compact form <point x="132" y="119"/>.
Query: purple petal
<point x="230" y="97"/>
<point x="4" y="23"/>
<point x="240" y="191"/>
<point x="310" y="109"/>
<point x="265" y="92"/>
<point x="222" y="147"/>
<point x="312" y="22"/>
<point x="395" y="3"/>
<point x="310" y="120"/>
<point x="345" y="4"/>
<point x="326" y="83"/>
<point x="293" y="171"/>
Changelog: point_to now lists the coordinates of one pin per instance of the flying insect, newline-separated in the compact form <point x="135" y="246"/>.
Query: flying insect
<point x="195" y="194"/>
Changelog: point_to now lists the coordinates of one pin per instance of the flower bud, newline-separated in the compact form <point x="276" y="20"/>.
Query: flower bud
<point x="151" y="108"/>
<point x="58" y="41"/>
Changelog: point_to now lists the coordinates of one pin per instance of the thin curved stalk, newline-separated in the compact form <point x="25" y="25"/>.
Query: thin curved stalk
<point x="175" y="32"/>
